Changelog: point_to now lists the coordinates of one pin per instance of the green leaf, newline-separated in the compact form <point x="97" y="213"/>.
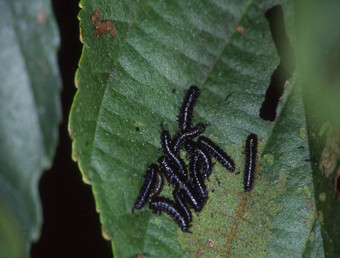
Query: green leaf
<point x="318" y="61"/>
<point x="131" y="83"/>
<point x="12" y="243"/>
<point x="29" y="108"/>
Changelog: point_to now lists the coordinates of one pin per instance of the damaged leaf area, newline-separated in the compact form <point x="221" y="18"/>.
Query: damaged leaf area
<point x="102" y="26"/>
<point x="131" y="83"/>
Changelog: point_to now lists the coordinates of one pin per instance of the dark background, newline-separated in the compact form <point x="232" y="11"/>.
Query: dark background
<point x="71" y="225"/>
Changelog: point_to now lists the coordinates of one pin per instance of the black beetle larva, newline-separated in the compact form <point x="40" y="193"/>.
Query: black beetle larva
<point x="185" y="114"/>
<point x="149" y="181"/>
<point x="160" y="204"/>
<point x="250" y="165"/>
<point x="195" y="149"/>
<point x="217" y="153"/>
<point x="156" y="189"/>
<point x="182" y="137"/>
<point x="182" y="204"/>
<point x="197" y="180"/>
<point x="169" y="152"/>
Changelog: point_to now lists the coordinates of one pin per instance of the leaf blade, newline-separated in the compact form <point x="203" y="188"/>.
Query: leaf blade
<point x="141" y="85"/>
<point x="30" y="107"/>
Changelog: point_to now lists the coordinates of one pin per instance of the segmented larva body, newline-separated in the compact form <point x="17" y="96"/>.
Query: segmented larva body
<point x="185" y="114"/>
<point x="182" y="137"/>
<point x="170" y="172"/>
<point x="204" y="157"/>
<point x="192" y="196"/>
<point x="250" y="165"/>
<point x="217" y="153"/>
<point x="182" y="205"/>
<point x="157" y="188"/>
<point x="177" y="162"/>
<point x="149" y="181"/>
<point x="161" y="204"/>
<point x="197" y="180"/>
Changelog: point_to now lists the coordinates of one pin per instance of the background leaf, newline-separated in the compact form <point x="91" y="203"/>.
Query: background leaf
<point x="29" y="108"/>
<point x="319" y="64"/>
<point x="131" y="83"/>
<point x="12" y="243"/>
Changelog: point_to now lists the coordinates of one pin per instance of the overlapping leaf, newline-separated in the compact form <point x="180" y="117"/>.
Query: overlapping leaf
<point x="29" y="113"/>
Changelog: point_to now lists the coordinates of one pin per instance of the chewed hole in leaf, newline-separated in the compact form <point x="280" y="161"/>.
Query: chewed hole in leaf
<point x="286" y="67"/>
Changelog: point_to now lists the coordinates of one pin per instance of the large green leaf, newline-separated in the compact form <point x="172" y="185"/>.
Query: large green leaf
<point x="319" y="57"/>
<point x="29" y="108"/>
<point x="131" y="83"/>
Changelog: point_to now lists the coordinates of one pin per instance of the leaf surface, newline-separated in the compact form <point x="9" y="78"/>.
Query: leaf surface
<point x="131" y="83"/>
<point x="29" y="108"/>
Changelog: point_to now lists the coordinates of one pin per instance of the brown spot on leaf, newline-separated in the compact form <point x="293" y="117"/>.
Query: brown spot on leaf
<point x="331" y="152"/>
<point x="210" y="243"/>
<point x="44" y="67"/>
<point x="41" y="17"/>
<point x="199" y="253"/>
<point x="102" y="26"/>
<point x="240" y="29"/>
<point x="309" y="205"/>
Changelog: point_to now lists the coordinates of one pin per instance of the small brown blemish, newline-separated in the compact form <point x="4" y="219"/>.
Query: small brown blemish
<point x="44" y="67"/>
<point x="102" y="26"/>
<point x="240" y="29"/>
<point x="210" y="243"/>
<point x="199" y="253"/>
<point x="41" y="17"/>
<point x="331" y="152"/>
<point x="309" y="205"/>
<point x="181" y="185"/>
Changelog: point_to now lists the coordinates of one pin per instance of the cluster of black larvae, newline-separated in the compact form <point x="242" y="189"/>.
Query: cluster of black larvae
<point x="187" y="181"/>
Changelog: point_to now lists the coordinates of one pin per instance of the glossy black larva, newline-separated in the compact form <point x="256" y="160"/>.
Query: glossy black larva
<point x="161" y="204"/>
<point x="217" y="153"/>
<point x="172" y="176"/>
<point x="182" y="137"/>
<point x="158" y="185"/>
<point x="204" y="157"/>
<point x="185" y="114"/>
<point x="182" y="204"/>
<point x="196" y="179"/>
<point x="172" y="157"/>
<point x="149" y="181"/>
<point x="192" y="196"/>
<point x="250" y="164"/>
